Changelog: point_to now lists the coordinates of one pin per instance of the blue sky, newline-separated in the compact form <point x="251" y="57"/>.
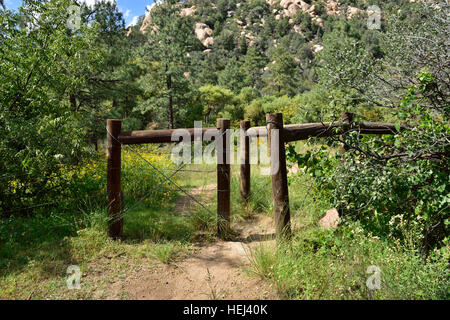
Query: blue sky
<point x="131" y="9"/>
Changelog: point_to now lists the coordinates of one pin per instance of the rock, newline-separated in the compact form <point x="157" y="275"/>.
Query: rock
<point x="285" y="3"/>
<point x="272" y="2"/>
<point x="317" y="48"/>
<point x="186" y="12"/>
<point x="332" y="7"/>
<point x="352" y="11"/>
<point x="146" y="24"/>
<point x="319" y="21"/>
<point x="292" y="10"/>
<point x="330" y="219"/>
<point x="208" y="42"/>
<point x="312" y="11"/>
<point x="304" y="6"/>
<point x="203" y="33"/>
<point x="298" y="30"/>
<point x="291" y="7"/>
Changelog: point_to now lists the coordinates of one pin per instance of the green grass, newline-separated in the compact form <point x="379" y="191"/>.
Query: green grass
<point x="35" y="252"/>
<point x="332" y="264"/>
<point x="316" y="264"/>
<point x="169" y="252"/>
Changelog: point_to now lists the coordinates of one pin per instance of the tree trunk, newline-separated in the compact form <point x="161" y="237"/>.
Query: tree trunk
<point x="73" y="102"/>
<point x="169" y="90"/>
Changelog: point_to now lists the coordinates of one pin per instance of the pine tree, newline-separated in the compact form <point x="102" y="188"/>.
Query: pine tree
<point x="170" y="39"/>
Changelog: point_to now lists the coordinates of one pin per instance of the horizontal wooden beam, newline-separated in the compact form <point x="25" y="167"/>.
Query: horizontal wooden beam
<point x="292" y="132"/>
<point x="306" y="131"/>
<point x="165" y="136"/>
<point x="296" y="132"/>
<point x="377" y="128"/>
<point x="326" y="129"/>
<point x="257" y="132"/>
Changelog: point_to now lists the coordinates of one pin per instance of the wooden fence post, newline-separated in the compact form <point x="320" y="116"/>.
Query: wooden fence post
<point x="245" y="160"/>
<point x="280" y="191"/>
<point x="223" y="177"/>
<point x="113" y="178"/>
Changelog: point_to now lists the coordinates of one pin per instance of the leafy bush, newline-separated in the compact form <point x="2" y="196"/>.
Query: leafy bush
<point x="405" y="176"/>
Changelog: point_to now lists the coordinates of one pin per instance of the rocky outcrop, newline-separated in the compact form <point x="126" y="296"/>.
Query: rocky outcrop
<point x="146" y="24"/>
<point x="352" y="11"/>
<point x="203" y="33"/>
<point x="332" y="7"/>
<point x="186" y="12"/>
<point x="291" y="7"/>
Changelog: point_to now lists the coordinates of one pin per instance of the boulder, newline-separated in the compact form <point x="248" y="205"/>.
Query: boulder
<point x="186" y="12"/>
<point x="319" y="21"/>
<point x="291" y="7"/>
<point x="332" y="7"/>
<point x="208" y="42"/>
<point x="330" y="219"/>
<point x="352" y="11"/>
<point x="203" y="33"/>
<point x="317" y="48"/>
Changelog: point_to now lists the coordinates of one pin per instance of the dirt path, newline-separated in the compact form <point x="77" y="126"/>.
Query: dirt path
<point x="186" y="204"/>
<point x="212" y="271"/>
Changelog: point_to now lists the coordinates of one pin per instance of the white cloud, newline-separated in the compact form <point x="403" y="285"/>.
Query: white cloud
<point x="127" y="13"/>
<point x="134" y="21"/>
<point x="92" y="2"/>
<point x="151" y="6"/>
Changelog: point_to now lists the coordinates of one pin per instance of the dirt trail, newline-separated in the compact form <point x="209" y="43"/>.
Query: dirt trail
<point x="212" y="271"/>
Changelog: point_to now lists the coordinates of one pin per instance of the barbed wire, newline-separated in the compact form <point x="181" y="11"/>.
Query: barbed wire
<point x="160" y="171"/>
<point x="168" y="179"/>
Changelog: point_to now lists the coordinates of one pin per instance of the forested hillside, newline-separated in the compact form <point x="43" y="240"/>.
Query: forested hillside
<point x="242" y="58"/>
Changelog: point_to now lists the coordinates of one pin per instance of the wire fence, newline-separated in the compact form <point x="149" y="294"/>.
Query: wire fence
<point x="165" y="175"/>
<point x="165" y="178"/>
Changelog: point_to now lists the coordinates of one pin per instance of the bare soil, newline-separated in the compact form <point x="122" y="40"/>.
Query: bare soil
<point x="212" y="271"/>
